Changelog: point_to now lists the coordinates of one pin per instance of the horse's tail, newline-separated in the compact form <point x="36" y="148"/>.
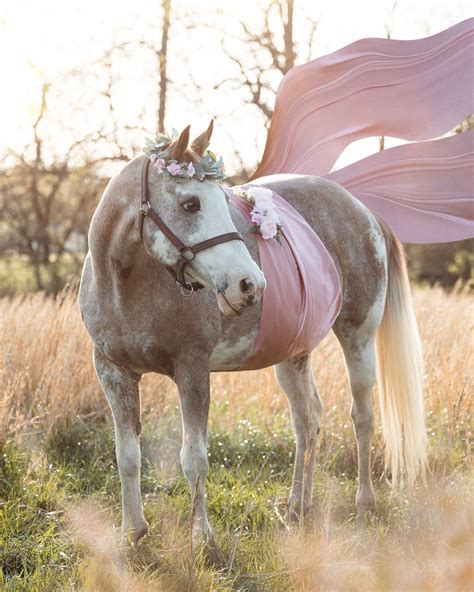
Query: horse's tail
<point x="400" y="373"/>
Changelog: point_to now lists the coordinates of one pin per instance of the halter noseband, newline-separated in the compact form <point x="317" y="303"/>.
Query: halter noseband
<point x="186" y="252"/>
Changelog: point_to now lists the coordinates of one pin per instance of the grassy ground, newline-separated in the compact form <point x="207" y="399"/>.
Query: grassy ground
<point x="60" y="492"/>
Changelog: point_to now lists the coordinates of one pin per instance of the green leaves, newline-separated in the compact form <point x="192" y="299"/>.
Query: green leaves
<point x="159" y="144"/>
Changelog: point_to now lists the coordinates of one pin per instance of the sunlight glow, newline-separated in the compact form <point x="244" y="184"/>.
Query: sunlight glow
<point x="46" y="40"/>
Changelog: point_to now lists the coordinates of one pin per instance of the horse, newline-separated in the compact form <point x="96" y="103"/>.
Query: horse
<point x="140" y="321"/>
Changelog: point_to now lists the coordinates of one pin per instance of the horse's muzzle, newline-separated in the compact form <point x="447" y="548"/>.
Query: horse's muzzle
<point x="233" y="297"/>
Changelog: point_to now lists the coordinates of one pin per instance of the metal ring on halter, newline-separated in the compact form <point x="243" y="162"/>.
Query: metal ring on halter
<point x="184" y="288"/>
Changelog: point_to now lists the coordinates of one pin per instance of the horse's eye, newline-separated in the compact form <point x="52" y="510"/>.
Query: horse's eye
<point x="191" y="205"/>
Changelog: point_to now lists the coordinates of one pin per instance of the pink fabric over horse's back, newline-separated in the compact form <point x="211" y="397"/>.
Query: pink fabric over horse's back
<point x="303" y="294"/>
<point x="415" y="90"/>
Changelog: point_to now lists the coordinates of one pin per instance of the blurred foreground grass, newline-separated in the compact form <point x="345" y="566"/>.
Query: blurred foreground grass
<point x="60" y="491"/>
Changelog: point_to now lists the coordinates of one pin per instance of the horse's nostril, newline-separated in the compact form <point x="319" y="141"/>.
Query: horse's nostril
<point x="247" y="286"/>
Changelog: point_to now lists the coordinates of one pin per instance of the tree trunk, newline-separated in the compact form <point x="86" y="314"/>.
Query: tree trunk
<point x="288" y="29"/>
<point x="163" y="60"/>
<point x="36" y="268"/>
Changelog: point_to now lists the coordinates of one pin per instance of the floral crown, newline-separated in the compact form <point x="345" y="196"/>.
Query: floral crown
<point x="208" y="167"/>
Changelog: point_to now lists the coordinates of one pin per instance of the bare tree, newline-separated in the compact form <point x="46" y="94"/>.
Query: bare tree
<point x="163" y="61"/>
<point x="49" y="188"/>
<point x="278" y="48"/>
<point x="263" y="54"/>
<point x="47" y="200"/>
<point x="257" y="54"/>
<point x="159" y="54"/>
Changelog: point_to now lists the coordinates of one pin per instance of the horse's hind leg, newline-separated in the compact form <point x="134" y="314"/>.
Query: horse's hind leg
<point x="296" y="379"/>
<point x="121" y="389"/>
<point x="358" y="344"/>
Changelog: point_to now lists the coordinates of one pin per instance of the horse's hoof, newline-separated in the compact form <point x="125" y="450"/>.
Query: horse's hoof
<point x="205" y="542"/>
<point x="204" y="537"/>
<point x="365" y="515"/>
<point x="139" y="534"/>
<point x="133" y="535"/>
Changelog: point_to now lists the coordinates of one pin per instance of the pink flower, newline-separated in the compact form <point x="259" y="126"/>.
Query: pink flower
<point x="256" y="217"/>
<point x="153" y="157"/>
<point x="160" y="165"/>
<point x="191" y="170"/>
<point x="268" y="230"/>
<point x="174" y="169"/>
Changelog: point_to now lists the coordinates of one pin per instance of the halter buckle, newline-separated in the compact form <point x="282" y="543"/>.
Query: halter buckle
<point x="145" y="207"/>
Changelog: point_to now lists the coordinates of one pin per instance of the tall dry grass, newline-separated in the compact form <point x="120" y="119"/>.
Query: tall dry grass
<point x="46" y="371"/>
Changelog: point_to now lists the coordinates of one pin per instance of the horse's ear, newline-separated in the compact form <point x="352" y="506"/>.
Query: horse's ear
<point x="179" y="147"/>
<point x="201" y="143"/>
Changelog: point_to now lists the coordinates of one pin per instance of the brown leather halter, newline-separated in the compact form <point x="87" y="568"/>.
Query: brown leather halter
<point x="186" y="252"/>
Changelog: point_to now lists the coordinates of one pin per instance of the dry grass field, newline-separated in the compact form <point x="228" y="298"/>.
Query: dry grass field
<point x="60" y="493"/>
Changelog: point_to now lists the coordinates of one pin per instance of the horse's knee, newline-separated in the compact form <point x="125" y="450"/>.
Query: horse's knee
<point x="363" y="420"/>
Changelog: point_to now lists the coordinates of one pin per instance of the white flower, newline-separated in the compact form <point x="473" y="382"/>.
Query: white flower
<point x="262" y="195"/>
<point x="271" y="215"/>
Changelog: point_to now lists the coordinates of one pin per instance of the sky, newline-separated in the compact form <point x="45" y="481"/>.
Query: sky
<point x="52" y="37"/>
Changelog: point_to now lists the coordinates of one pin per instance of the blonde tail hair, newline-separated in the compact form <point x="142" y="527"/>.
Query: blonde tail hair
<point x="400" y="374"/>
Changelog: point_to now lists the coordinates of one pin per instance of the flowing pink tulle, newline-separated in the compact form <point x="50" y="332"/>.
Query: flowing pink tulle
<point x="414" y="90"/>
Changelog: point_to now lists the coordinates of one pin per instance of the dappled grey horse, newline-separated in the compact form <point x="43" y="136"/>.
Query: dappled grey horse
<point x="140" y="321"/>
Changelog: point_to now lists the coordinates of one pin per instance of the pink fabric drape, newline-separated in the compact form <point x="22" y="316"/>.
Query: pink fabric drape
<point x="303" y="294"/>
<point x="414" y="90"/>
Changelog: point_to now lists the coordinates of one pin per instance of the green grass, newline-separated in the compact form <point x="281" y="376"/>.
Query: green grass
<point x="40" y="481"/>
<point x="51" y="540"/>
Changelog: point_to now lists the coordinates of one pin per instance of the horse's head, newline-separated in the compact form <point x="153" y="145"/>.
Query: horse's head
<point x="195" y="211"/>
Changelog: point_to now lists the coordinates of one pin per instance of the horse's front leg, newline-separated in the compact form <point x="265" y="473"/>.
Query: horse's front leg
<point x="193" y="378"/>
<point x="121" y="389"/>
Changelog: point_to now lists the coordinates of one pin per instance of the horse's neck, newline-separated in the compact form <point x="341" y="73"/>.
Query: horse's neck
<point x="114" y="238"/>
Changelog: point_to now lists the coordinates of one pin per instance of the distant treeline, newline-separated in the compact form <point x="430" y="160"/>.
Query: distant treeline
<point x="45" y="216"/>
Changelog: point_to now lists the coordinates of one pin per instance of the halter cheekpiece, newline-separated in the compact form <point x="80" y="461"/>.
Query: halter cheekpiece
<point x="186" y="252"/>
